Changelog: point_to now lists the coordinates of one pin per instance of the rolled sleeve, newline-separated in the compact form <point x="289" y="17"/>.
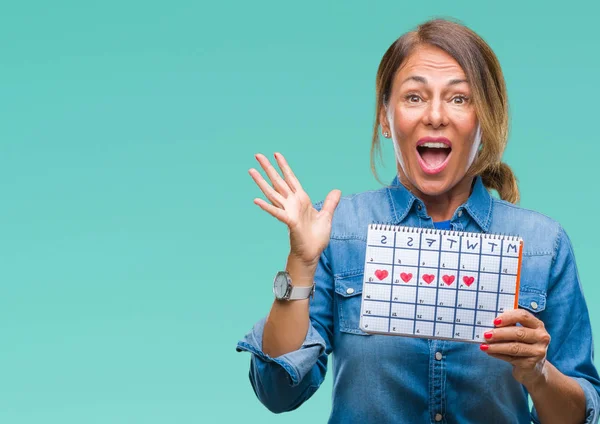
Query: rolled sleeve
<point x="567" y="320"/>
<point x="284" y="382"/>
<point x="591" y="400"/>
<point x="297" y="364"/>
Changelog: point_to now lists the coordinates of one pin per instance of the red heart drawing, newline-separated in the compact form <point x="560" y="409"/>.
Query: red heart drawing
<point x="381" y="274"/>
<point x="448" y="279"/>
<point x="428" y="278"/>
<point x="406" y="277"/>
<point x="468" y="280"/>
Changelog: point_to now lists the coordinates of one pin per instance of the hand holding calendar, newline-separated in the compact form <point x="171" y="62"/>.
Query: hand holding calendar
<point x="524" y="347"/>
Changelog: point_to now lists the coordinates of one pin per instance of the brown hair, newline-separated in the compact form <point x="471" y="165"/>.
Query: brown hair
<point x="484" y="73"/>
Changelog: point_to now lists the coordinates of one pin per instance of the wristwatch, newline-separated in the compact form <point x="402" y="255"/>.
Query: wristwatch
<point x="284" y="290"/>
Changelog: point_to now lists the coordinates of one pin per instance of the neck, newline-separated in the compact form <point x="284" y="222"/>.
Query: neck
<point x="441" y="207"/>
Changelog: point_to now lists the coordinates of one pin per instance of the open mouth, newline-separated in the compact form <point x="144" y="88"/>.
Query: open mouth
<point x="433" y="156"/>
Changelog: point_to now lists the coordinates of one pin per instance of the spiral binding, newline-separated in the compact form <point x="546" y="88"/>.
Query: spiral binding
<point x="436" y="231"/>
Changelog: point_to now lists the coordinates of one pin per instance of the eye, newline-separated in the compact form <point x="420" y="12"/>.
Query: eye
<point x="462" y="99"/>
<point x="411" y="97"/>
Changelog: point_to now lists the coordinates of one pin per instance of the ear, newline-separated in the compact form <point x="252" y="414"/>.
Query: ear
<point x="383" y="120"/>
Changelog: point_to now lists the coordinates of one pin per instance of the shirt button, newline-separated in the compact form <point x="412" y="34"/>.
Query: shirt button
<point x="438" y="417"/>
<point x="350" y="290"/>
<point x="438" y="356"/>
<point x="419" y="207"/>
<point x="534" y="305"/>
<point x="460" y="213"/>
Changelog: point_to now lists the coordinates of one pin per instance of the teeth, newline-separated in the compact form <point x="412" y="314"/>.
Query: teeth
<point x="435" y="145"/>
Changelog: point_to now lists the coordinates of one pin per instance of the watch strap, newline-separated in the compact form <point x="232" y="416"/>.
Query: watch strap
<point x="301" y="292"/>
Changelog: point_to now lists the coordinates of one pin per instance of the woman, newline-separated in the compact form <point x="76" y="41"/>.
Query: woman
<point x="441" y="99"/>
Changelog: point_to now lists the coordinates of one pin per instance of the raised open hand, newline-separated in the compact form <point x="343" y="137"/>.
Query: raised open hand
<point x="309" y="229"/>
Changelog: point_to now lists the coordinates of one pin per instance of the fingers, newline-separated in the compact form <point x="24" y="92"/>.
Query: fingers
<point x="282" y="188"/>
<point x="513" y="333"/>
<point x="275" y="198"/>
<point x="529" y="339"/>
<point x="278" y="183"/>
<point x="288" y="175"/>
<point x="331" y="201"/>
<point x="273" y="210"/>
<point x="515" y="349"/>
<point x="521" y="316"/>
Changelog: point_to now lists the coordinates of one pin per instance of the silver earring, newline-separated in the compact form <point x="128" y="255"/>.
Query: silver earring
<point x="386" y="134"/>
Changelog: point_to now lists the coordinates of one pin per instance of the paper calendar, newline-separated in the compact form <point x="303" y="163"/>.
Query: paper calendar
<point x="441" y="284"/>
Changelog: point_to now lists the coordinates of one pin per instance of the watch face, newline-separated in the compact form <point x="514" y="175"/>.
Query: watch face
<point x="280" y="285"/>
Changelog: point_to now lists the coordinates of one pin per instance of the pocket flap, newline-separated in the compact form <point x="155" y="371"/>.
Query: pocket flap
<point x="351" y="285"/>
<point x="532" y="300"/>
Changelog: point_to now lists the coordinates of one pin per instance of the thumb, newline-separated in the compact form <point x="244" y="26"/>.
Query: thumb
<point x="331" y="201"/>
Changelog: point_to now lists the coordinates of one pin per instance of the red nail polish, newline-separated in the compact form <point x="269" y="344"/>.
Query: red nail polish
<point x="483" y="347"/>
<point x="497" y="321"/>
<point x="487" y="334"/>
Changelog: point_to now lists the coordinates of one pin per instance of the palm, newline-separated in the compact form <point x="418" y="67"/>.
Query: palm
<point x="309" y="229"/>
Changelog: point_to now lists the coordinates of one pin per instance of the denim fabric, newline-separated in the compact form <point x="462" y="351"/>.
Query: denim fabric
<point x="385" y="379"/>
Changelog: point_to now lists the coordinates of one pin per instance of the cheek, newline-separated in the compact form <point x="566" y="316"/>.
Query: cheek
<point x="465" y="121"/>
<point x="408" y="115"/>
<point x="469" y="139"/>
<point x="406" y="122"/>
<point x="466" y="127"/>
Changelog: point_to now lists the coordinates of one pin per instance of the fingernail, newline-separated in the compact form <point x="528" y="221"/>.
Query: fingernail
<point x="497" y="321"/>
<point x="487" y="334"/>
<point x="483" y="347"/>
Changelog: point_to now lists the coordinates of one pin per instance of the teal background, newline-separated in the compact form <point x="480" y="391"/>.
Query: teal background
<point x="132" y="257"/>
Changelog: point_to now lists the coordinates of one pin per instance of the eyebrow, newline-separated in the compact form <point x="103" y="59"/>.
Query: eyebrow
<point x="423" y="80"/>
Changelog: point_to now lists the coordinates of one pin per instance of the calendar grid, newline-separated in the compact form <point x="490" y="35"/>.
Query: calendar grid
<point x="449" y="269"/>
<point x="500" y="273"/>
<point x="417" y="289"/>
<point x="412" y="303"/>
<point x="412" y="248"/>
<point x="392" y="284"/>
<point x="457" y="286"/>
<point x="449" y="291"/>
<point x="422" y="320"/>
<point x="477" y="292"/>
<point x="437" y="282"/>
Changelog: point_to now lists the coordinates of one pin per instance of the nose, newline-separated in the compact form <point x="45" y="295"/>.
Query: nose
<point x="436" y="114"/>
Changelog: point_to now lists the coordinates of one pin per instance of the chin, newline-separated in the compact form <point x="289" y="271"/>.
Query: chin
<point x="433" y="186"/>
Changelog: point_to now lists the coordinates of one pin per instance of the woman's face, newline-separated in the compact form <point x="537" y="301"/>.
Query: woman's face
<point x="431" y="117"/>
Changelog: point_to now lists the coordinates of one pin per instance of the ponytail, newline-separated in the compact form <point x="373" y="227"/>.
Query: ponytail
<point x="502" y="179"/>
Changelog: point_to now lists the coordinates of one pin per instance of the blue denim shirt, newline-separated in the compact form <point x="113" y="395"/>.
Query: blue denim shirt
<point x="384" y="379"/>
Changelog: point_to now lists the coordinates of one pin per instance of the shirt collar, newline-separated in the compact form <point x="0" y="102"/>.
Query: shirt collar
<point x="478" y="205"/>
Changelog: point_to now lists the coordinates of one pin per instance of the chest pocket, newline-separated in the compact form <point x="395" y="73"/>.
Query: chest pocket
<point x="348" y="296"/>
<point x="533" y="300"/>
<point x="534" y="283"/>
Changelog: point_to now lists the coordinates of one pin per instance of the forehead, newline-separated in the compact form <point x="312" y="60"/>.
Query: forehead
<point x="430" y="62"/>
